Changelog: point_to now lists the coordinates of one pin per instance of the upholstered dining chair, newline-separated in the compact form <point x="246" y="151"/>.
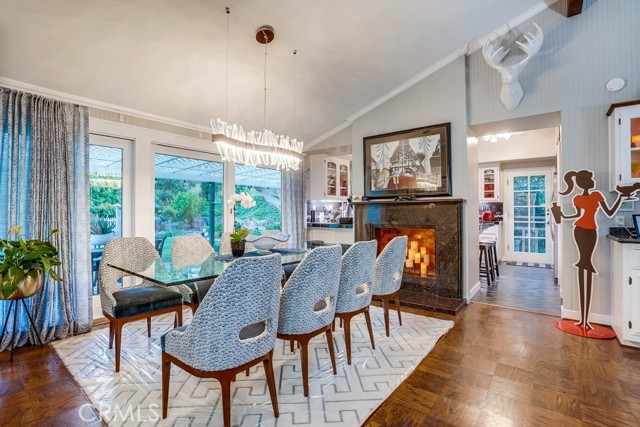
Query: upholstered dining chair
<point x="308" y="303"/>
<point x="124" y="305"/>
<point x="234" y="329"/>
<point x="387" y="276"/>
<point x="355" y="291"/>
<point x="190" y="250"/>
<point x="225" y="245"/>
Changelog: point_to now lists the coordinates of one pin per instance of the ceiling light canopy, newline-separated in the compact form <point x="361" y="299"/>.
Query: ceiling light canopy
<point x="257" y="148"/>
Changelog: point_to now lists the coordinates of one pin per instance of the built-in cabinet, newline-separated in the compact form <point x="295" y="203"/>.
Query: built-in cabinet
<point x="489" y="181"/>
<point x="624" y="144"/>
<point x="331" y="235"/>
<point x="329" y="178"/>
<point x="625" y="292"/>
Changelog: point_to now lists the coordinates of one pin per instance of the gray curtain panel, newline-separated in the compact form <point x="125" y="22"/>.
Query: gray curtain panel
<point x="44" y="184"/>
<point x="294" y="216"/>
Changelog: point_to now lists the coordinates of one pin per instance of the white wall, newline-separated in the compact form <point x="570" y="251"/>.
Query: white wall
<point x="521" y="146"/>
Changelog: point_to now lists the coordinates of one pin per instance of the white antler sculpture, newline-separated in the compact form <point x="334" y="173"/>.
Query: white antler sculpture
<point x="511" y="93"/>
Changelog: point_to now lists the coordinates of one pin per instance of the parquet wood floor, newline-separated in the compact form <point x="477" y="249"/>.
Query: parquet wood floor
<point x="496" y="367"/>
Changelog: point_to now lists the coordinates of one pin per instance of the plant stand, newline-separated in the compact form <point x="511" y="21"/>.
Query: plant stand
<point x="13" y="304"/>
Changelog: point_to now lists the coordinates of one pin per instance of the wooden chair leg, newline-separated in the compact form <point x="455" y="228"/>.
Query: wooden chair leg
<point x="110" y="334"/>
<point x="398" y="308"/>
<point x="304" y="359"/>
<point x="247" y="371"/>
<point x="341" y="322"/>
<point x="118" y="332"/>
<point x="225" y="384"/>
<point x="333" y="325"/>
<point x="332" y="353"/>
<point x="271" y="383"/>
<point x="369" y="327"/>
<point x="385" y="305"/>
<point x="166" y="374"/>
<point x="149" y="327"/>
<point x="347" y="337"/>
<point x="291" y="346"/>
<point x="179" y="317"/>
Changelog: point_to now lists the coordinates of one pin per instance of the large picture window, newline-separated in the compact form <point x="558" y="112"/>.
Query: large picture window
<point x="265" y="186"/>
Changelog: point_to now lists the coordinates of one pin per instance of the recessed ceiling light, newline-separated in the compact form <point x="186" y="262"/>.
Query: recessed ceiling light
<point x="615" y="84"/>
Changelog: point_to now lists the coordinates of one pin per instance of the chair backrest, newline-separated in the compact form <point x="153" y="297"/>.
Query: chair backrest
<point x="246" y="294"/>
<point x="135" y="253"/>
<point x="315" y="280"/>
<point x="387" y="275"/>
<point x="225" y="245"/>
<point x="356" y="277"/>
<point x="188" y="250"/>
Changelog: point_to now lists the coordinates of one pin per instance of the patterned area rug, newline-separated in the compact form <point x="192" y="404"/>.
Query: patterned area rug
<point x="527" y="264"/>
<point x="133" y="396"/>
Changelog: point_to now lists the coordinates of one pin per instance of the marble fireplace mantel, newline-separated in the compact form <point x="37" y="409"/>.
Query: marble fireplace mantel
<point x="444" y="292"/>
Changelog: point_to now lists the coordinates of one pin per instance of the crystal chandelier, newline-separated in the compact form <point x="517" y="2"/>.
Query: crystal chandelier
<point x="256" y="148"/>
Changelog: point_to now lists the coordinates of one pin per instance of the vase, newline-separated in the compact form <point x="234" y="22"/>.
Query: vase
<point x="237" y="248"/>
<point x="29" y="287"/>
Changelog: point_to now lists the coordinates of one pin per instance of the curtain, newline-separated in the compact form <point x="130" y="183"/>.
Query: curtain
<point x="294" y="216"/>
<point x="44" y="184"/>
<point x="426" y="145"/>
<point x="381" y="153"/>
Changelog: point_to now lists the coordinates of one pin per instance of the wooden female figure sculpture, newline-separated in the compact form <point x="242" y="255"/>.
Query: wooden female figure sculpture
<point x="585" y="232"/>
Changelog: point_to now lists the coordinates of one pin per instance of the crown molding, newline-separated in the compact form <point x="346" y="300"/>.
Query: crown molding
<point x="88" y="102"/>
<point x="465" y="50"/>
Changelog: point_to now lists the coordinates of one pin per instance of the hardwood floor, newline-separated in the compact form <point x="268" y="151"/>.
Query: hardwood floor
<point x="496" y="367"/>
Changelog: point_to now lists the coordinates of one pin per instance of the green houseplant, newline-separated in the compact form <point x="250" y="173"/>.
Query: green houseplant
<point x="238" y="237"/>
<point x="24" y="262"/>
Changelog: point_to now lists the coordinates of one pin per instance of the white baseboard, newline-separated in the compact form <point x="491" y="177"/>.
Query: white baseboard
<point x="474" y="290"/>
<point x="600" y="319"/>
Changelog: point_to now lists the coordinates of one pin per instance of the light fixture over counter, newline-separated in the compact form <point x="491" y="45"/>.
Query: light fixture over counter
<point x="257" y="148"/>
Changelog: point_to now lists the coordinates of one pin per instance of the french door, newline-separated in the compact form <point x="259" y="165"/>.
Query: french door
<point x="528" y="198"/>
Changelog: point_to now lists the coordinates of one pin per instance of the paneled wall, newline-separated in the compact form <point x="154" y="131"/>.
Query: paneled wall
<point x="577" y="58"/>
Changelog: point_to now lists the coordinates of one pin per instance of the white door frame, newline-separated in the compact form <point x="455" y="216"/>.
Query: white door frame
<point x="510" y="255"/>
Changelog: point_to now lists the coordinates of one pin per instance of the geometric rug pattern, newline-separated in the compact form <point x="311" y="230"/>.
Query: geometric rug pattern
<point x="527" y="264"/>
<point x="133" y="396"/>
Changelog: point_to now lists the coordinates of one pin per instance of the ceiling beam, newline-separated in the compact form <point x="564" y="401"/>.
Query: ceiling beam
<point x="574" y="7"/>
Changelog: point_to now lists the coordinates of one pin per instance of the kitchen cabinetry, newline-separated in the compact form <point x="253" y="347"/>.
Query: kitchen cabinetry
<point x="489" y="181"/>
<point x="493" y="232"/>
<point x="625" y="292"/>
<point x="331" y="235"/>
<point x="624" y="144"/>
<point x="329" y="178"/>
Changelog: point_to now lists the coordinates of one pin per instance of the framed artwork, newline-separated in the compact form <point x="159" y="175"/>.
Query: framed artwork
<point x="412" y="162"/>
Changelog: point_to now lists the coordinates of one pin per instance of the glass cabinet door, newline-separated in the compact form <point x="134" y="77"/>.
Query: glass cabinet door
<point x="634" y="140"/>
<point x="344" y="181"/>
<point x="489" y="184"/>
<point x="331" y="179"/>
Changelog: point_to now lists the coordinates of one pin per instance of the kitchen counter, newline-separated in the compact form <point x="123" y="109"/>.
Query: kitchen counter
<point x="329" y="225"/>
<point x="621" y="239"/>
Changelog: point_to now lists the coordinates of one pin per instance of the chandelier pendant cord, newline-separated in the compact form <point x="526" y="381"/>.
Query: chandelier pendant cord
<point x="226" y="78"/>
<point x="294" y="90"/>
<point x="266" y="42"/>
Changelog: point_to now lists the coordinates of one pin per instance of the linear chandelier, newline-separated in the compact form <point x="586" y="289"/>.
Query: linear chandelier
<point x="256" y="148"/>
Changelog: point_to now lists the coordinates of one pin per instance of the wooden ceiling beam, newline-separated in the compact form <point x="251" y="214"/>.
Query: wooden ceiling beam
<point x="574" y="7"/>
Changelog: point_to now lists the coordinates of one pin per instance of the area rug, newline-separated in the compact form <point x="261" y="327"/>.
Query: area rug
<point x="133" y="396"/>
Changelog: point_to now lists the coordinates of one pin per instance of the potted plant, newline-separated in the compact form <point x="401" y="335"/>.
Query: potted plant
<point x="101" y="231"/>
<point x="240" y="234"/>
<point x="24" y="263"/>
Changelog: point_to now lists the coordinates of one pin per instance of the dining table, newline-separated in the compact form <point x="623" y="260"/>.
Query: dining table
<point x="195" y="269"/>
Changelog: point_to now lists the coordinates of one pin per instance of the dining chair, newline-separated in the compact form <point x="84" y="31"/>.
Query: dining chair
<point x="308" y="303"/>
<point x="387" y="276"/>
<point x="355" y="290"/>
<point x="187" y="251"/>
<point x="225" y="245"/>
<point x="234" y="329"/>
<point x="124" y="305"/>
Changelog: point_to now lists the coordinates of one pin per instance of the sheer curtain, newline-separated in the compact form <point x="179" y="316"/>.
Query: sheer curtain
<point x="44" y="184"/>
<point x="294" y="216"/>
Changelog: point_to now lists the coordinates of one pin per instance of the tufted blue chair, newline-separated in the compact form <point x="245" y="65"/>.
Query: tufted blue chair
<point x="308" y="303"/>
<point x="355" y="291"/>
<point x="124" y="305"/>
<point x="387" y="276"/>
<point x="190" y="250"/>
<point x="234" y="329"/>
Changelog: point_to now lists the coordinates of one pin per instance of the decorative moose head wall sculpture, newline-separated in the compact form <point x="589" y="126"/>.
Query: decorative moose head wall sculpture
<point x="511" y="93"/>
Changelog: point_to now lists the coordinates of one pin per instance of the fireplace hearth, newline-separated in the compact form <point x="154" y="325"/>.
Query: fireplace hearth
<point x="432" y="277"/>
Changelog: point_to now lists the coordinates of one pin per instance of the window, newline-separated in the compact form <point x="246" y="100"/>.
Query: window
<point x="188" y="200"/>
<point x="265" y="186"/>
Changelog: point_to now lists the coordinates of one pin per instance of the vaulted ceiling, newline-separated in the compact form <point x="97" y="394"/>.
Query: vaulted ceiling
<point x="168" y="57"/>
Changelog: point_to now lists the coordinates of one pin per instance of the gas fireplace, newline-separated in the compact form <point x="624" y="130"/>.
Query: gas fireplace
<point x="420" y="256"/>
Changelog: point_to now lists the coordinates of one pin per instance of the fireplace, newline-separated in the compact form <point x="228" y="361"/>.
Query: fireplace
<point x="432" y="277"/>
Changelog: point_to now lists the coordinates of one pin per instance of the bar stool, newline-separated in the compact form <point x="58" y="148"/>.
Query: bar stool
<point x="493" y="254"/>
<point x="487" y="270"/>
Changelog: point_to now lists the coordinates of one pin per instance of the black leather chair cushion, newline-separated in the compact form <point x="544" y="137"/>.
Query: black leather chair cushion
<point x="144" y="299"/>
<point x="288" y="270"/>
<point x="203" y="287"/>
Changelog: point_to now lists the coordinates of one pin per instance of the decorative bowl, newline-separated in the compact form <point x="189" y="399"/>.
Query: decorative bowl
<point x="266" y="243"/>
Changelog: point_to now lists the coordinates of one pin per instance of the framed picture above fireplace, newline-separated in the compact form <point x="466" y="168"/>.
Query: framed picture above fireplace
<point x="412" y="162"/>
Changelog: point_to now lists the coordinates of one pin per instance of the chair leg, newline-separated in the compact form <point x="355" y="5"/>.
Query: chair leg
<point x="271" y="383"/>
<point x="333" y="325"/>
<point x="385" y="305"/>
<point x="111" y="328"/>
<point x="291" y="346"/>
<point x="495" y="259"/>
<point x="332" y="353"/>
<point x="247" y="371"/>
<point x="33" y="325"/>
<point x="225" y="384"/>
<point x="347" y="338"/>
<point x="304" y="358"/>
<point x="341" y="322"/>
<point x="166" y="374"/>
<point x="369" y="327"/>
<point x="179" y="315"/>
<point x="149" y="327"/>
<point x="118" y="332"/>
<point x="398" y="308"/>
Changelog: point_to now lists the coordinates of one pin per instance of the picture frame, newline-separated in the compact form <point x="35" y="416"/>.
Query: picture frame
<point x="409" y="163"/>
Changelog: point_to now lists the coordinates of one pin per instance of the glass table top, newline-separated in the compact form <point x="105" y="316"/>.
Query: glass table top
<point x="178" y="271"/>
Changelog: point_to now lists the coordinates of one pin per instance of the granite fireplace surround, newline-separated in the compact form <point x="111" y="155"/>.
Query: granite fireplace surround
<point x="444" y="292"/>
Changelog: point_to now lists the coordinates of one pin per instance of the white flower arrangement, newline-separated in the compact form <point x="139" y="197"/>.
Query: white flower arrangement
<point x="245" y="200"/>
